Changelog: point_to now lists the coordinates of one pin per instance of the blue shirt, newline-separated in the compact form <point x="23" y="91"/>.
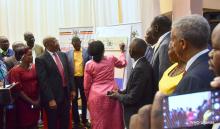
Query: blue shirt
<point x="3" y="72"/>
<point x="7" y="53"/>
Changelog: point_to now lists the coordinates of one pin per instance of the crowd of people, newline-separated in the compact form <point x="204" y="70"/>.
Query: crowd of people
<point x="189" y="116"/>
<point x="173" y="59"/>
<point x="189" y="40"/>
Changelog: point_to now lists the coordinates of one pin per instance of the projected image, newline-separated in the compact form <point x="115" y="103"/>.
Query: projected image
<point x="190" y="110"/>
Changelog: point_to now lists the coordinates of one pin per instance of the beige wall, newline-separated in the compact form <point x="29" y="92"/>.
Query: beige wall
<point x="149" y="9"/>
<point x="180" y="8"/>
<point x="165" y="6"/>
<point x="168" y="5"/>
<point x="186" y="7"/>
<point x="211" y="4"/>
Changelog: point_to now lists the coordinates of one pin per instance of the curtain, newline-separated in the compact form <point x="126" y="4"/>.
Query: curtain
<point x="45" y="17"/>
<point x="131" y="11"/>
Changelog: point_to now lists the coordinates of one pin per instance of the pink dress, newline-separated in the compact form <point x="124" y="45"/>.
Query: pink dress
<point x="105" y="113"/>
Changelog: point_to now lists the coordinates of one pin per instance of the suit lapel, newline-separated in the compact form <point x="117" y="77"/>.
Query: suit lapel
<point x="51" y="60"/>
<point x="132" y="71"/>
<point x="203" y="57"/>
<point x="156" y="48"/>
<point x="71" y="57"/>
<point x="84" y="56"/>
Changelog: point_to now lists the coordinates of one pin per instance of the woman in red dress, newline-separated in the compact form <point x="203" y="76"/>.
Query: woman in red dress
<point x="27" y="103"/>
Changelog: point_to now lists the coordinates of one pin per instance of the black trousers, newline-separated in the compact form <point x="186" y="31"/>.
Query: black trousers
<point x="79" y="86"/>
<point x="59" y="116"/>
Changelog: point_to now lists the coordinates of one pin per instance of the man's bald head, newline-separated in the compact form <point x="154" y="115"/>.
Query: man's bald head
<point x="216" y="34"/>
<point x="29" y="38"/>
<point x="214" y="55"/>
<point x="28" y="33"/>
<point x="4" y="43"/>
<point x="3" y="37"/>
<point x="137" y="48"/>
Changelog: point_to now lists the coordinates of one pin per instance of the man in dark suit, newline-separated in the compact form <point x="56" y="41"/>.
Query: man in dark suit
<point x="56" y="84"/>
<point x="189" y="37"/>
<point x="140" y="87"/>
<point x="77" y="59"/>
<point x="158" y="38"/>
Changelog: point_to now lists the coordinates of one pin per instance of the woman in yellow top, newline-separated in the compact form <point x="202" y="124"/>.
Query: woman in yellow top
<point x="172" y="76"/>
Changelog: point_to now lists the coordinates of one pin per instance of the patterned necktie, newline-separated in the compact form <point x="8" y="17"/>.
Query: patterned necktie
<point x="60" y="68"/>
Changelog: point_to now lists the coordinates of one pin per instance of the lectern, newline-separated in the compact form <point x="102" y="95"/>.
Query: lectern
<point x="6" y="98"/>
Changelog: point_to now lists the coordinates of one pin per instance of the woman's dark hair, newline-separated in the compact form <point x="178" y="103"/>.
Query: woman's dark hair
<point x="96" y="50"/>
<point x="25" y="50"/>
<point x="21" y="51"/>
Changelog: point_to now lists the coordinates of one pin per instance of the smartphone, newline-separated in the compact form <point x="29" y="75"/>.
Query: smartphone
<point x="191" y="109"/>
<point x="109" y="93"/>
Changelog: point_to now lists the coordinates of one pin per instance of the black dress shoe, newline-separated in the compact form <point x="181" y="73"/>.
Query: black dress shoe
<point x="87" y="125"/>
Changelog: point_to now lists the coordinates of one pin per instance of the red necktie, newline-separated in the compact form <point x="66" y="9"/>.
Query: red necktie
<point x="60" y="68"/>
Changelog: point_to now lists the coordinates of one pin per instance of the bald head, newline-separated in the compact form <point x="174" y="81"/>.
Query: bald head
<point x="27" y="34"/>
<point x="214" y="55"/>
<point x="159" y="26"/>
<point x="3" y="37"/>
<point x="216" y="34"/>
<point x="137" y="48"/>
<point x="4" y="43"/>
<point x="29" y="38"/>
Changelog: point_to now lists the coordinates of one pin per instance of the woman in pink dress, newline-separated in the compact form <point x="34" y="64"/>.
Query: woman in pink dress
<point x="105" y="113"/>
<point x="27" y="103"/>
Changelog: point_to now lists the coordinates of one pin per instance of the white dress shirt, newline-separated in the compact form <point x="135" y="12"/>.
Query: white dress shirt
<point x="134" y="64"/>
<point x="156" y="46"/>
<point x="33" y="54"/>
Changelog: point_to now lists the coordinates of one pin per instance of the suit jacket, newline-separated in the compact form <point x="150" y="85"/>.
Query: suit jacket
<point x="38" y="50"/>
<point x="10" y="62"/>
<point x="160" y="60"/>
<point x="140" y="89"/>
<point x="70" y="55"/>
<point x="196" y="79"/>
<point x="49" y="78"/>
<point x="149" y="53"/>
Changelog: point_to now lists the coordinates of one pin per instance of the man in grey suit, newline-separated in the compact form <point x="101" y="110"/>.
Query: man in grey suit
<point x="78" y="57"/>
<point x="56" y="84"/>
<point x="158" y="38"/>
<point x="190" y="36"/>
<point x="140" y="88"/>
